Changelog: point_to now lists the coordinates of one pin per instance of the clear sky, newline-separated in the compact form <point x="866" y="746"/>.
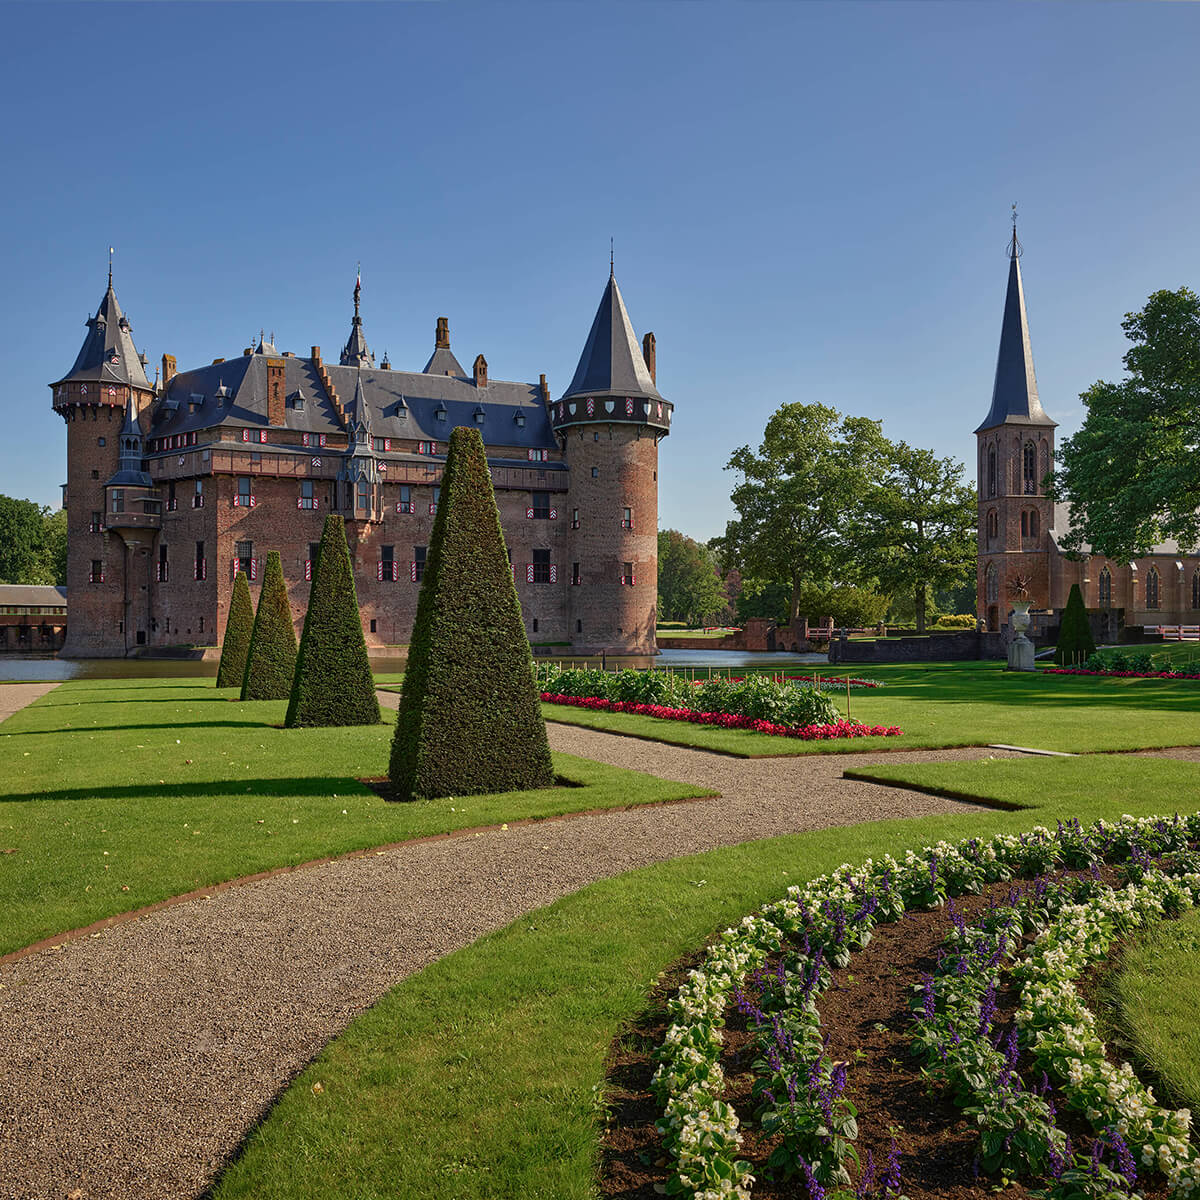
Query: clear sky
<point x="809" y="202"/>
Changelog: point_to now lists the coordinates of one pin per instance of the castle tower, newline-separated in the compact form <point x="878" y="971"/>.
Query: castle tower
<point x="1016" y="452"/>
<point x="610" y="420"/>
<point x="104" y="390"/>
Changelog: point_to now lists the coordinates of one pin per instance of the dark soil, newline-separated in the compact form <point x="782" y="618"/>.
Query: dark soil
<point x="866" y="1015"/>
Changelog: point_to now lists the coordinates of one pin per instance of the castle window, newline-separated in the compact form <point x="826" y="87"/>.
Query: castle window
<point x="627" y="576"/>
<point x="437" y="495"/>
<point x="1196" y="589"/>
<point x="1105" y="588"/>
<point x="172" y="503"/>
<point x="1029" y="468"/>
<point x="406" y="504"/>
<point x="574" y="518"/>
<point x="627" y="518"/>
<point x="161" y="573"/>
<point x="200" y="566"/>
<point x="542" y="570"/>
<point x="427" y="447"/>
<point x="245" y="558"/>
<point x="373" y="628"/>
<point x="595" y="472"/>
<point x="363" y="498"/>
<point x="991" y="472"/>
<point x="95" y="474"/>
<point x="535" y="624"/>
<point x="101" y="442"/>
<point x="198" y="495"/>
<point x="387" y="564"/>
<point x="118" y="500"/>
<point x="539" y="455"/>
<point x="540" y="508"/>
<point x="384" y="444"/>
<point x="255" y="456"/>
<point x="96" y="574"/>
<point x="245" y="497"/>
<point x="306" y="499"/>
<point x="578" y="626"/>
<point x="575" y="573"/>
<point x="991" y="584"/>
<point x="1152" y="588"/>
<point x="97" y="523"/>
<point x="418" y="564"/>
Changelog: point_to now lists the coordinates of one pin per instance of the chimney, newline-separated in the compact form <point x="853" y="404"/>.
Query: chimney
<point x="544" y="388"/>
<point x="480" y="371"/>
<point x="442" y="337"/>
<point x="169" y="369"/>
<point x="316" y="355"/>
<point x="276" y="401"/>
<point x="649" y="356"/>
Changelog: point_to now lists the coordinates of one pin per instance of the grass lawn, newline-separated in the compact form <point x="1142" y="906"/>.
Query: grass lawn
<point x="481" y="1075"/>
<point x="119" y="793"/>
<point x="959" y="704"/>
<point x="1153" y="1006"/>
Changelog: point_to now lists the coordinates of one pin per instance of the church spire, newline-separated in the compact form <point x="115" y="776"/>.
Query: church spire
<point x="355" y="353"/>
<point x="1014" y="394"/>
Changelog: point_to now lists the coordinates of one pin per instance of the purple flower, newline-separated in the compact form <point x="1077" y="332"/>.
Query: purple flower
<point x="891" y="1176"/>
<point x="815" y="1190"/>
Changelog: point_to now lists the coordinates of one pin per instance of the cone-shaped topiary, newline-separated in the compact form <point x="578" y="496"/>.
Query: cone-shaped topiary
<point x="1075" y="641"/>
<point x="469" y="718"/>
<point x="271" y="661"/>
<point x="232" y="670"/>
<point x="333" y="683"/>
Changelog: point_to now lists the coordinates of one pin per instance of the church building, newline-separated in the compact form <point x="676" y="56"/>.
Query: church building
<point x="1020" y="527"/>
<point x="175" y="486"/>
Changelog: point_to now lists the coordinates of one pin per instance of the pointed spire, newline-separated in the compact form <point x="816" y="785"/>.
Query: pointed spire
<point x="612" y="363"/>
<point x="1014" y="394"/>
<point x="356" y="352"/>
<point x="131" y="467"/>
<point x="108" y="353"/>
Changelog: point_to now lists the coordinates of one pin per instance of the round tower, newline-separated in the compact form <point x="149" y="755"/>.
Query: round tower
<point x="106" y="385"/>
<point x="610" y="421"/>
<point x="1016" y="452"/>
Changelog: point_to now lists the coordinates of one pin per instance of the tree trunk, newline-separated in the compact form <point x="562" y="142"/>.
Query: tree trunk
<point x="920" y="607"/>
<point x="794" y="608"/>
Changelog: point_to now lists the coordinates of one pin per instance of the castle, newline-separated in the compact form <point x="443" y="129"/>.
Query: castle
<point x="1020" y="527"/>
<point x="174" y="486"/>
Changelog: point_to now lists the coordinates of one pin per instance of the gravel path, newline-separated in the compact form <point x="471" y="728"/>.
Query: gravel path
<point x="134" y="1062"/>
<point x="15" y="696"/>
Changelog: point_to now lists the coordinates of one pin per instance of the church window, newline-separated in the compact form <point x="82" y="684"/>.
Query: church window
<point x="991" y="584"/>
<point x="1196" y="589"/>
<point x="1105" y="588"/>
<point x="993" y="525"/>
<point x="991" y="471"/>
<point x="1030" y="469"/>
<point x="1024" y="524"/>
<point x="1033" y="524"/>
<point x="1152" y="588"/>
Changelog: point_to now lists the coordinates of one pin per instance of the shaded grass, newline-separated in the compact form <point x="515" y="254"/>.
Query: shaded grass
<point x="120" y="794"/>
<point x="1154" y="998"/>
<point x="481" y="1075"/>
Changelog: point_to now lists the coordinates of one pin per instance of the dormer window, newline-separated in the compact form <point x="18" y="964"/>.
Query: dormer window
<point x="479" y="414"/>
<point x="296" y="400"/>
<point x="401" y="410"/>
<point x="440" y="412"/>
<point x="520" y="420"/>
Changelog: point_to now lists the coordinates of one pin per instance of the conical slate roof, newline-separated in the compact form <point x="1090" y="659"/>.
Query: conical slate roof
<point x="355" y="353"/>
<point x="131" y="470"/>
<point x="1015" y="396"/>
<point x="108" y="354"/>
<point x="611" y="363"/>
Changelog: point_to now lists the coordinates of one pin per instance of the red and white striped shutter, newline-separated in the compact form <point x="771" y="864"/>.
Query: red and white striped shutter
<point x="395" y="571"/>
<point x="553" y="572"/>
<point x="433" y="447"/>
<point x="632" y="580"/>
<point x="245" y="435"/>
<point x="235" y="568"/>
<point x="387" y="443"/>
<point x="379" y="571"/>
<point x="554" y="514"/>
<point x="316" y="504"/>
<point x="432" y="509"/>
<point x="299" y="501"/>
<point x="254" y="568"/>
<point x="308" y="570"/>
<point x="262" y="436"/>
<point x="412" y="571"/>
<point x="529" y="514"/>
<point x="204" y="568"/>
<point x="529" y="572"/>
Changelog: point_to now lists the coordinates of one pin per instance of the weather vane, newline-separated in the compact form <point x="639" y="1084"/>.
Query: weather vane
<point x="1014" y="247"/>
<point x="110" y="254"/>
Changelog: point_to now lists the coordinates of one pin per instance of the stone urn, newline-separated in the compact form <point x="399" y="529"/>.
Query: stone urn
<point x="1020" y="648"/>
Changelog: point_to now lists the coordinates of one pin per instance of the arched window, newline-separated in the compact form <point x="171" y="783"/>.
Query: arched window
<point x="1024" y="524"/>
<point x="1105" y="588"/>
<point x="1196" y="589"/>
<point x="1152" y="588"/>
<point x="1030" y="469"/>
<point x="993" y="525"/>
<point x="991" y="584"/>
<point x="1045" y="457"/>
<point x="991" y="471"/>
<point x="1033" y="523"/>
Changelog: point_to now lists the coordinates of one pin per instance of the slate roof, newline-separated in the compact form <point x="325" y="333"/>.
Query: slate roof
<point x="1062" y="525"/>
<point x="443" y="362"/>
<point x="108" y="353"/>
<point x="1015" y="395"/>
<point x="611" y="363"/>
<point x="29" y="594"/>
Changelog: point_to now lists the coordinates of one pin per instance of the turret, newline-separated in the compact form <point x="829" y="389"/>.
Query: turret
<point x="101" y="398"/>
<point x="358" y="480"/>
<point x="1016" y="453"/>
<point x="609" y="421"/>
<point x="356" y="353"/>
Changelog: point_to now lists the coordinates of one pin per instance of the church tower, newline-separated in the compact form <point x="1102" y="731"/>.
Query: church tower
<point x="103" y="392"/>
<point x="1016" y="452"/>
<point x="609" y="422"/>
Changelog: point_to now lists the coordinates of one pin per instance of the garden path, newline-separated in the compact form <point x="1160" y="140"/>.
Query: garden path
<point x="15" y="696"/>
<point x="133" y="1062"/>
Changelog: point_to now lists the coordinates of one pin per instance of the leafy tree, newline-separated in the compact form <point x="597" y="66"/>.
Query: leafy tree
<point x="33" y="543"/>
<point x="1131" y="472"/>
<point x="919" y="526"/>
<point x="238" y="626"/>
<point x="333" y="684"/>
<point x="1075" y="641"/>
<point x="469" y="718"/>
<point x="757" y="598"/>
<point x="54" y="546"/>
<point x="689" y="588"/>
<point x="271" y="659"/>
<point x="800" y="496"/>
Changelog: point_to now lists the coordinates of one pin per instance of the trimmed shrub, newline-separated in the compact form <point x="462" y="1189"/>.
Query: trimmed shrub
<point x="1075" y="641"/>
<point x="236" y="645"/>
<point x="469" y="720"/>
<point x="271" y="661"/>
<point x="333" y="684"/>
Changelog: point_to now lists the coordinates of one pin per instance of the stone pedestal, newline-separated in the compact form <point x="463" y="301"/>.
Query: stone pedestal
<point x="1020" y="648"/>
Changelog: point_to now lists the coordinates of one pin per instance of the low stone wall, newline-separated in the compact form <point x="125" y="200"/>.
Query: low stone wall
<point x="936" y="647"/>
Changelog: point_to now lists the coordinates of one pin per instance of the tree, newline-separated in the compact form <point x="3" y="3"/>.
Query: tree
<point x="33" y="543"/>
<point x="271" y="659"/>
<point x="1131" y="472"/>
<point x="469" y="718"/>
<point x="333" y="684"/>
<point x="800" y="496"/>
<point x="235" y="647"/>
<point x="689" y="588"/>
<point x="1075" y="641"/>
<point x="919" y="526"/>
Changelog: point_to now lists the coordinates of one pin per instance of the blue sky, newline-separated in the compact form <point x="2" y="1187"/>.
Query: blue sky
<point x="810" y="202"/>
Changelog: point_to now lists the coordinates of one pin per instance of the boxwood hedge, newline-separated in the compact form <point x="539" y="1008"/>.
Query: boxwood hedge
<point x="271" y="661"/>
<point x="236" y="645"/>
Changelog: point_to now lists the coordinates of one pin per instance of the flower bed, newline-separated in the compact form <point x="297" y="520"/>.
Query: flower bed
<point x="1122" y="674"/>
<point x="826" y="731"/>
<point x="786" y="947"/>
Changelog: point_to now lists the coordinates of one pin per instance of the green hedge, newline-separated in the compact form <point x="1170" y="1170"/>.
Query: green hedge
<point x="1075" y="641"/>
<point x="271" y="662"/>
<point x="236" y="645"/>
<point x="469" y="719"/>
<point x="333" y="683"/>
